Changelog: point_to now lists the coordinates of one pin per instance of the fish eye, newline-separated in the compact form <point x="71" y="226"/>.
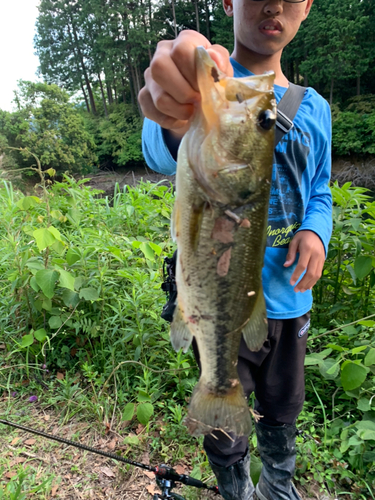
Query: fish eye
<point x="266" y="119"/>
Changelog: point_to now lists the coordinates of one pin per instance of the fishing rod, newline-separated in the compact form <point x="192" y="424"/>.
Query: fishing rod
<point x="166" y="477"/>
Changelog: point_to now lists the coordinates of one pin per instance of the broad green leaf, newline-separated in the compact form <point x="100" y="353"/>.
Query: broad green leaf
<point x="132" y="440"/>
<point x="369" y="456"/>
<point x="128" y="412"/>
<point x="367" y="322"/>
<point x="355" y="441"/>
<point x="59" y="247"/>
<point x="88" y="294"/>
<point x="129" y="210"/>
<point x="367" y="435"/>
<point x="55" y="232"/>
<point x="70" y="298"/>
<point x="66" y="280"/>
<point x="27" y="202"/>
<point x="56" y="214"/>
<point x="330" y="368"/>
<point x="362" y="266"/>
<point x="143" y="396"/>
<point x="46" y="279"/>
<point x="359" y="349"/>
<point x="370" y="358"/>
<point x="144" y="412"/>
<point x="366" y="425"/>
<point x="40" y="334"/>
<point x="156" y="248"/>
<point x="196" y="473"/>
<point x="35" y="263"/>
<point x="72" y="255"/>
<point x="43" y="238"/>
<point x="34" y="285"/>
<point x="47" y="304"/>
<point x="147" y="251"/>
<point x="55" y="322"/>
<point x="27" y="340"/>
<point x="364" y="404"/>
<point x="352" y="375"/>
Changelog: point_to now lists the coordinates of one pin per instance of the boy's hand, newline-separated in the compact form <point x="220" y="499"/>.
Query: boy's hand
<point x="171" y="85"/>
<point x="311" y="258"/>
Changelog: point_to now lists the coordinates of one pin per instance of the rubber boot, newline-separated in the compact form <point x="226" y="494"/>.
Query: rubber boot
<point x="235" y="482"/>
<point x="276" y="446"/>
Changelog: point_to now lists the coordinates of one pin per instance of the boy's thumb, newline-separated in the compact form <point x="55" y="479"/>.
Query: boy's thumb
<point x="291" y="255"/>
<point x="221" y="57"/>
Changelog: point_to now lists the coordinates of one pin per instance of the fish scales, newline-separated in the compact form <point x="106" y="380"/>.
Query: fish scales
<point x="219" y="222"/>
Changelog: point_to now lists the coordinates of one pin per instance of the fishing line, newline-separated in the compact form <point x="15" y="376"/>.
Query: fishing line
<point x="166" y="477"/>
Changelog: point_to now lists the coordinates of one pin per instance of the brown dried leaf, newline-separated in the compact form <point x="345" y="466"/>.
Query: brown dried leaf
<point x="145" y="458"/>
<point x="149" y="474"/>
<point x="46" y="418"/>
<point x="140" y="428"/>
<point x="20" y="460"/>
<point x="151" y="489"/>
<point x="15" y="441"/>
<point x="30" y="442"/>
<point x="60" y="376"/>
<point x="2" y="346"/>
<point x="10" y="474"/>
<point x="54" y="490"/>
<point x="112" y="444"/>
<point x="108" y="472"/>
<point x="180" y="469"/>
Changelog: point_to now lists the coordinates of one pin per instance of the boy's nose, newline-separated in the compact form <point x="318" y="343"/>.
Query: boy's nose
<point x="273" y="7"/>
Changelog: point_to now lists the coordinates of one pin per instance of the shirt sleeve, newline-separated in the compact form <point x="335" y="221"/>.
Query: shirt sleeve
<point x="155" y="150"/>
<point x="318" y="215"/>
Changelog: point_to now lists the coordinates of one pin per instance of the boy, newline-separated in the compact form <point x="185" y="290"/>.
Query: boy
<point x="299" y="223"/>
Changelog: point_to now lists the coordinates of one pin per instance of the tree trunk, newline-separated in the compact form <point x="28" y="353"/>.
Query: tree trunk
<point x="207" y="20"/>
<point x="103" y="96"/>
<point x="109" y="93"/>
<point x="174" y="19"/>
<point x="87" y="81"/>
<point x="297" y="72"/>
<point x="305" y="80"/>
<point x="196" y="14"/>
<point x="85" y="96"/>
<point x="331" y="92"/>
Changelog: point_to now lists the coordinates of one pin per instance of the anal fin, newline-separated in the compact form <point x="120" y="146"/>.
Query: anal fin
<point x="255" y="331"/>
<point x="180" y="334"/>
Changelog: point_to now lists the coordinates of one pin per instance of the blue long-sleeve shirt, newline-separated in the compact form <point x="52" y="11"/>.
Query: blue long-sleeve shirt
<point x="300" y="195"/>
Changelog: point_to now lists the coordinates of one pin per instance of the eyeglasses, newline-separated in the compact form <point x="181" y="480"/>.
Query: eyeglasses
<point x="288" y="1"/>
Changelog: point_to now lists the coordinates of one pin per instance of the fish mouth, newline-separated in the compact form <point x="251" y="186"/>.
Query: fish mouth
<point x="271" y="27"/>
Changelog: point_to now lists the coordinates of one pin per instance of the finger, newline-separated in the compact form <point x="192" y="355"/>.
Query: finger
<point x="301" y="266"/>
<point x="183" y="54"/>
<point x="221" y="57"/>
<point x="312" y="275"/>
<point x="165" y="103"/>
<point x="292" y="252"/>
<point x="168" y="71"/>
<point x="150" y="111"/>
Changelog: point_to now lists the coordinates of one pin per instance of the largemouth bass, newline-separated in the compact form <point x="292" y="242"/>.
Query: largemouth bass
<point x="219" y="221"/>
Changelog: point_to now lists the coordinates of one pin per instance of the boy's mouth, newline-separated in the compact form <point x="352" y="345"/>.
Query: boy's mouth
<point x="270" y="27"/>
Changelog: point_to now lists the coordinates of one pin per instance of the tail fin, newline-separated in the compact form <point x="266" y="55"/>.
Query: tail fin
<point x="210" y="412"/>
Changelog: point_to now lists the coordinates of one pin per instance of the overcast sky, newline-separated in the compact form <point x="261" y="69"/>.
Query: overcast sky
<point x="17" y="60"/>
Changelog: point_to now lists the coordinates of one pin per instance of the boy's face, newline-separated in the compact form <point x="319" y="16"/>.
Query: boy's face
<point x="265" y="27"/>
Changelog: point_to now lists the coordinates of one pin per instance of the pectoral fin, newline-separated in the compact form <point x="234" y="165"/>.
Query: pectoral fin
<point x="256" y="330"/>
<point x="181" y="336"/>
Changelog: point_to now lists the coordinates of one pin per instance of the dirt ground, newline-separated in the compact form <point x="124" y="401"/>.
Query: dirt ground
<point x="80" y="475"/>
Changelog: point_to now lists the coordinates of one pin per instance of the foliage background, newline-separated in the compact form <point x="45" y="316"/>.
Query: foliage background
<point x="96" y="53"/>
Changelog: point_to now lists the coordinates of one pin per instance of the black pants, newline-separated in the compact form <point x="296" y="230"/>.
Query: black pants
<point x="276" y="375"/>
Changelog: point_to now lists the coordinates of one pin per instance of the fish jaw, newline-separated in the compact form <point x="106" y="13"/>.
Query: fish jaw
<point x="227" y="143"/>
